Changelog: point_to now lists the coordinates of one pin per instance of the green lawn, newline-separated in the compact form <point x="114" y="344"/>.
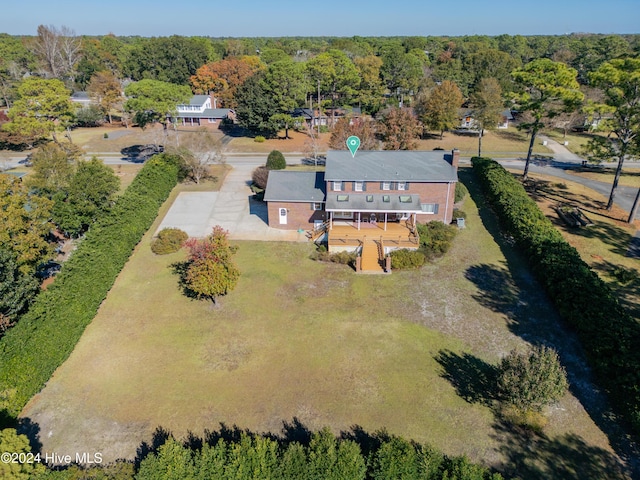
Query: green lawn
<point x="315" y="341"/>
<point x="494" y="143"/>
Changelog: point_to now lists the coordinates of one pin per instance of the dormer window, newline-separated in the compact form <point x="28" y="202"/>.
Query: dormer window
<point x="343" y="198"/>
<point x="369" y="198"/>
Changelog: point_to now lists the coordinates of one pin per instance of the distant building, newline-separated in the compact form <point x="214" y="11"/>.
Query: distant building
<point x="199" y="111"/>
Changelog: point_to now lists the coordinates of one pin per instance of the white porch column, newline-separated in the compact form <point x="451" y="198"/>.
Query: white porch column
<point x="385" y="221"/>
<point x="359" y="216"/>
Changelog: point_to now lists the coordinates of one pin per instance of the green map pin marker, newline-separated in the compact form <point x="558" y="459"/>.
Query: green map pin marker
<point x="353" y="143"/>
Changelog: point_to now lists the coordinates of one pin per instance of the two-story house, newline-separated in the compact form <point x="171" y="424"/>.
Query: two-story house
<point x="375" y="194"/>
<point x="199" y="111"/>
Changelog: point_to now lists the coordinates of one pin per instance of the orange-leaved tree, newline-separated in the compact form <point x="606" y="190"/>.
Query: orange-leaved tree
<point x="210" y="270"/>
<point x="222" y="78"/>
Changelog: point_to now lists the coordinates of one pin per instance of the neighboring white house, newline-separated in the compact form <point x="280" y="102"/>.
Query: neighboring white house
<point x="199" y="111"/>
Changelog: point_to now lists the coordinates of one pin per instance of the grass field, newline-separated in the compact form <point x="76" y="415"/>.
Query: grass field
<point x="319" y="343"/>
<point x="507" y="142"/>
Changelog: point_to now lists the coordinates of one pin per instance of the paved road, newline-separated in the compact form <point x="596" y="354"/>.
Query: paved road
<point x="563" y="160"/>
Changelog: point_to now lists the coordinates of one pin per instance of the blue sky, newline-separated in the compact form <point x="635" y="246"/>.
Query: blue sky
<point x="252" y="18"/>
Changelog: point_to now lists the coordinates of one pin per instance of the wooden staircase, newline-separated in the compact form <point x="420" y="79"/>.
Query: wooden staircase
<point x="371" y="259"/>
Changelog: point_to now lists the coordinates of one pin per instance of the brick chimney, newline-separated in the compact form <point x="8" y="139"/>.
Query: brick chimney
<point x="455" y="158"/>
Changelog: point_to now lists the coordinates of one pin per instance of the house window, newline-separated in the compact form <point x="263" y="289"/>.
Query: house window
<point x="386" y="198"/>
<point x="429" y="207"/>
<point x="369" y="198"/>
<point x="405" y="198"/>
<point x="358" y="186"/>
<point x="316" y="206"/>
<point x="337" y="186"/>
<point x="402" y="185"/>
<point x="343" y="198"/>
<point x="386" y="185"/>
<point x="342" y="215"/>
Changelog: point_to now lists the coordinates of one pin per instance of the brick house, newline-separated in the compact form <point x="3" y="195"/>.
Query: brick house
<point x="374" y="194"/>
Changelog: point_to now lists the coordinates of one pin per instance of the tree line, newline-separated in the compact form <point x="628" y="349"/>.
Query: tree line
<point x="411" y="85"/>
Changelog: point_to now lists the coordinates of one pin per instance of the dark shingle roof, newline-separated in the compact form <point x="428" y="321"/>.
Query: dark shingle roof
<point x="207" y="113"/>
<point x="198" y="99"/>
<point x="403" y="166"/>
<point x="286" y="186"/>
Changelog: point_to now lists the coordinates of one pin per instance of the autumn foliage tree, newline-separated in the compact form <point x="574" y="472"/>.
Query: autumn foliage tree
<point x="104" y="87"/>
<point x="438" y="110"/>
<point x="210" y="270"/>
<point x="346" y="127"/>
<point x="400" y="129"/>
<point x="222" y="78"/>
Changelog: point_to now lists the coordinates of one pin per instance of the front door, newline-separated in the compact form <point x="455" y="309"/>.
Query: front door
<point x="283" y="216"/>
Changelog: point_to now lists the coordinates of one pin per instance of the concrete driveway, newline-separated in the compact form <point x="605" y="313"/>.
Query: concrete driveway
<point x="233" y="208"/>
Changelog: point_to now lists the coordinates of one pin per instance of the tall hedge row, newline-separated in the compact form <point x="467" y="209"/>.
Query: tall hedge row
<point x="46" y="335"/>
<point x="609" y="335"/>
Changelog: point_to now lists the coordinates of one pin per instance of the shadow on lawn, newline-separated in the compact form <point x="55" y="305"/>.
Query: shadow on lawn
<point x="535" y="456"/>
<point x="528" y="454"/>
<point x="473" y="378"/>
<point x="511" y="290"/>
<point x="180" y="269"/>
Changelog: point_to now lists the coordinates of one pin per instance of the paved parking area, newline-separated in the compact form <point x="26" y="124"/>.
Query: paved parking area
<point x="232" y="208"/>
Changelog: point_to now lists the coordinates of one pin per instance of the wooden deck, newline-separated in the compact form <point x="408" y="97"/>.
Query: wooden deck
<point x="347" y="234"/>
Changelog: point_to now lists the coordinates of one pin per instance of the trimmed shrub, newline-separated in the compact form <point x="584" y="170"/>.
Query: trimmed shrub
<point x="404" y="259"/>
<point x="609" y="335"/>
<point x="169" y="240"/>
<point x="48" y="332"/>
<point x="460" y="192"/>
<point x="260" y="176"/>
<point x="436" y="238"/>
<point x="276" y="161"/>
<point x="259" y="139"/>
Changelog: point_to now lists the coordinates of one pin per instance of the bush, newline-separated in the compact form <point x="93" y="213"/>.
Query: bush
<point x="169" y="240"/>
<point x="460" y="192"/>
<point x="532" y="381"/>
<point x="276" y="161"/>
<point x="324" y="129"/>
<point x="436" y="238"/>
<point x="459" y="214"/>
<point x="106" y="135"/>
<point x="259" y="139"/>
<point x="260" y="176"/>
<point x="404" y="259"/>
<point x="343" y="258"/>
<point x="45" y="336"/>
